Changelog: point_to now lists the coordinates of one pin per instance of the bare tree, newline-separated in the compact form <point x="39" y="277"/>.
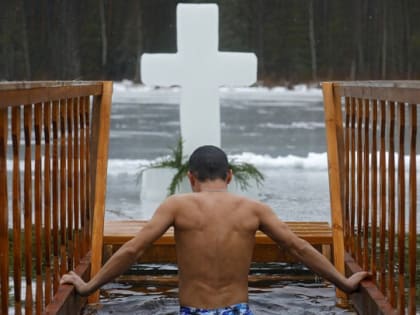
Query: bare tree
<point x="384" y="43"/>
<point x="20" y="20"/>
<point x="104" y="38"/>
<point x="312" y="41"/>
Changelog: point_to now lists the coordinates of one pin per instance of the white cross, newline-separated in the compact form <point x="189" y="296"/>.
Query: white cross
<point x="199" y="68"/>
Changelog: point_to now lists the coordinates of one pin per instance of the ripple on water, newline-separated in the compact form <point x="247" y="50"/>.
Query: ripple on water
<point x="290" y="299"/>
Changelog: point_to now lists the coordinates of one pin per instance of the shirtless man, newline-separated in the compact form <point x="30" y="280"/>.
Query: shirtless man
<point x="215" y="236"/>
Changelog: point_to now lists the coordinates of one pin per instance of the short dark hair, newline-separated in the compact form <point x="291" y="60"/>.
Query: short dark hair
<point x="208" y="162"/>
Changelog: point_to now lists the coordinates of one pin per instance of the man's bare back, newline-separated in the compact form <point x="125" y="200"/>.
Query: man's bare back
<point x="215" y="236"/>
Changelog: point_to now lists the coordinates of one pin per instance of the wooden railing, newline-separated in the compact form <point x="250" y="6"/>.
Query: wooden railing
<point x="372" y="140"/>
<point x="53" y="160"/>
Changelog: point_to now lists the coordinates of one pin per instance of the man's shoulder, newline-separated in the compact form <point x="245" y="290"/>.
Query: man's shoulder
<point x="197" y="197"/>
<point x="248" y="200"/>
<point x="181" y="198"/>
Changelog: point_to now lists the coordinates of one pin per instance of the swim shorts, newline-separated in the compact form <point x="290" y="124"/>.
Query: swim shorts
<point x="237" y="309"/>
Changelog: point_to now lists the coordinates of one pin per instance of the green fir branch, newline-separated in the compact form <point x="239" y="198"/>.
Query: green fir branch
<point x="177" y="179"/>
<point x="243" y="172"/>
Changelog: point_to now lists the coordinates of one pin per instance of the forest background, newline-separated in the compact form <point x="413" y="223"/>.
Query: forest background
<point x="295" y="41"/>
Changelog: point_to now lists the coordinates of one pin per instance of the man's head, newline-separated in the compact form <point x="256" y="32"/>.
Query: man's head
<point x="209" y="163"/>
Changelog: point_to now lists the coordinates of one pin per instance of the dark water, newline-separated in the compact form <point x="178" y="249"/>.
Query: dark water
<point x="274" y="288"/>
<point x="288" y="298"/>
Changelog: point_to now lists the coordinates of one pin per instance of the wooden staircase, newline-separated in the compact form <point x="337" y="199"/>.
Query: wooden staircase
<point x="116" y="233"/>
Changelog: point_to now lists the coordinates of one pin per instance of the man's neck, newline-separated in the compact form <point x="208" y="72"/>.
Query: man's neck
<point x="213" y="186"/>
<point x="214" y="190"/>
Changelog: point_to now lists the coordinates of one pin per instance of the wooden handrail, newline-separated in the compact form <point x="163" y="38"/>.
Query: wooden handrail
<point x="17" y="94"/>
<point x="368" y="176"/>
<point x="51" y="130"/>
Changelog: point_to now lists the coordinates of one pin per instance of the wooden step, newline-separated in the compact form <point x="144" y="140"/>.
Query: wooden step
<point x="116" y="233"/>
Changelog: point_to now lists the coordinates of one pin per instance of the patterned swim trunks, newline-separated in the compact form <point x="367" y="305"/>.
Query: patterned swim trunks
<point x="237" y="309"/>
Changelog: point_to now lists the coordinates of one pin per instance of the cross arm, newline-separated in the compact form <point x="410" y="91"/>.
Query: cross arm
<point x="160" y="69"/>
<point x="237" y="68"/>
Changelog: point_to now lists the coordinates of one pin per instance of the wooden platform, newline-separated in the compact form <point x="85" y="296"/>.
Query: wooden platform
<point x="116" y="233"/>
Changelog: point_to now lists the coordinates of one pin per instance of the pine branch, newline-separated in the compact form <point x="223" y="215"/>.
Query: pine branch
<point x="243" y="172"/>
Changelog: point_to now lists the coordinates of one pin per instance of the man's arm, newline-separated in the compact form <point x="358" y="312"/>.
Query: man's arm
<point x="304" y="252"/>
<point x="129" y="252"/>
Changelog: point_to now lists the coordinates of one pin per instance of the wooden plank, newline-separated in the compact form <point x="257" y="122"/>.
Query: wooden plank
<point x="38" y="209"/>
<point x="83" y="187"/>
<point x="17" y="210"/>
<point x="407" y="84"/>
<point x="166" y="253"/>
<point x="366" y="177"/>
<point x="359" y="182"/>
<point x="374" y="189"/>
<point x="70" y="194"/>
<point x="353" y="177"/>
<point x="66" y="300"/>
<point x="28" y="207"/>
<point x="346" y="175"/>
<point x="119" y="232"/>
<point x="341" y="155"/>
<point x="55" y="193"/>
<point x="33" y="95"/>
<point x="163" y="250"/>
<point x="4" y="215"/>
<point x="332" y="123"/>
<point x="63" y="187"/>
<point x="391" y="205"/>
<point x="27" y="85"/>
<point x="412" y="227"/>
<point x="76" y="172"/>
<point x="391" y="91"/>
<point x="101" y="125"/>
<point x="368" y="299"/>
<point x="88" y="212"/>
<point x="47" y="201"/>
<point x="401" y="211"/>
<point x="382" y="201"/>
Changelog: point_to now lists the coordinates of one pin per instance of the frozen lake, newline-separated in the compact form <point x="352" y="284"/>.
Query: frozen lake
<point x="279" y="131"/>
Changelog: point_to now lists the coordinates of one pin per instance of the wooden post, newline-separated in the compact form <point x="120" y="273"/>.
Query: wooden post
<point x="382" y="202"/>
<point x="374" y="189"/>
<point x="55" y="193"/>
<point x="412" y="247"/>
<point x="38" y="209"/>
<point x="333" y="126"/>
<point x="99" y="145"/>
<point x="28" y="207"/>
<point x="4" y="238"/>
<point x="401" y="211"/>
<point x="47" y="200"/>
<point x="391" y="206"/>
<point x="17" y="210"/>
<point x="63" y="187"/>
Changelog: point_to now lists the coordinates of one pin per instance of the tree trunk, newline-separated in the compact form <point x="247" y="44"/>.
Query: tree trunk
<point x="104" y="38"/>
<point x="312" y="41"/>
<point x="384" y="42"/>
<point x="260" y="39"/>
<point x="21" y="21"/>
<point x="139" y="34"/>
<point x="406" y="38"/>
